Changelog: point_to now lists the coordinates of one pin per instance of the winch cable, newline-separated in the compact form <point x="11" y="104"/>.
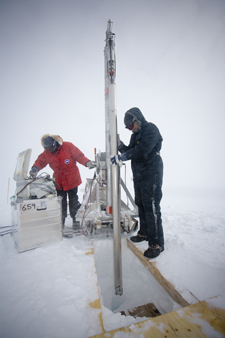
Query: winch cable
<point x="7" y="231"/>
<point x="132" y="228"/>
<point x="85" y="232"/>
<point x="125" y="180"/>
<point x="35" y="179"/>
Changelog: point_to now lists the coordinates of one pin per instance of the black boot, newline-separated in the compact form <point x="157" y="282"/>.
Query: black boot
<point x="152" y="252"/>
<point x="138" y="238"/>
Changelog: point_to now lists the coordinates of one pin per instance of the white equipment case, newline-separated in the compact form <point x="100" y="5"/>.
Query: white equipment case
<point x="36" y="222"/>
<point x="36" y="209"/>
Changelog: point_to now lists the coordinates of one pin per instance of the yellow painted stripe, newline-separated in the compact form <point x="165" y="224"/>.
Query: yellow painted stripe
<point x="90" y="252"/>
<point x="97" y="305"/>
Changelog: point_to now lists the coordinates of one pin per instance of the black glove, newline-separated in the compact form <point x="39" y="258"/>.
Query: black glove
<point x="90" y="164"/>
<point x="33" y="172"/>
<point x="118" y="159"/>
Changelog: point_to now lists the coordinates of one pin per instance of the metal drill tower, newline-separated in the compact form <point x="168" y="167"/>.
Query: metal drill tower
<point x="113" y="171"/>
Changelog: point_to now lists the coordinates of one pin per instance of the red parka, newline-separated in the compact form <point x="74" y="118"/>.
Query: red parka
<point x="63" y="163"/>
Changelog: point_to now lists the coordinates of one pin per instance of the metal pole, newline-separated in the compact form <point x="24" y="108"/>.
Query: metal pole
<point x="113" y="171"/>
<point x="107" y="127"/>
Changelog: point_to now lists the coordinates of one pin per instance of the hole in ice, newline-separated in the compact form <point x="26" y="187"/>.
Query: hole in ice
<point x="139" y="286"/>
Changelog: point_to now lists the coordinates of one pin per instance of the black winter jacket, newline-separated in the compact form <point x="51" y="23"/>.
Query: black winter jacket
<point x="143" y="149"/>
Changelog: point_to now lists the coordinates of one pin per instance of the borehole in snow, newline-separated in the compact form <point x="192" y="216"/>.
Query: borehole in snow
<point x="139" y="286"/>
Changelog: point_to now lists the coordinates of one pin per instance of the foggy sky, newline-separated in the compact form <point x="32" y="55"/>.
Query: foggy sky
<point x="170" y="63"/>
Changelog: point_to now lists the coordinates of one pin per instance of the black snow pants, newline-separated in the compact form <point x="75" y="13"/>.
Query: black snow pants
<point x="148" y="194"/>
<point x="73" y="201"/>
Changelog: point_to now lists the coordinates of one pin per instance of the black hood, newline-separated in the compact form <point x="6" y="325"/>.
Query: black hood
<point x="136" y="113"/>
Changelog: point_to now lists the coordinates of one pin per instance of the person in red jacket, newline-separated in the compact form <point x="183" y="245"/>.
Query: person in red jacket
<point x="62" y="158"/>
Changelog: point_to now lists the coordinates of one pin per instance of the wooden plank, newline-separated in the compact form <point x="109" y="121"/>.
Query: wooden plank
<point x="143" y="329"/>
<point x="196" y="320"/>
<point x="219" y="313"/>
<point x="152" y="268"/>
<point x="217" y="306"/>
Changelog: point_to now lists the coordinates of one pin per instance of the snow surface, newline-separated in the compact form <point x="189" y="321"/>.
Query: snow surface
<point x="44" y="292"/>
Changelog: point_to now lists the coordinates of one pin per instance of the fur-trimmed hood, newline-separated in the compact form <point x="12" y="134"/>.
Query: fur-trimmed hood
<point x="57" y="138"/>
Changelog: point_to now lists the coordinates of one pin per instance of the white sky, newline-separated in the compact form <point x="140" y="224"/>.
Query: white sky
<point x="170" y="63"/>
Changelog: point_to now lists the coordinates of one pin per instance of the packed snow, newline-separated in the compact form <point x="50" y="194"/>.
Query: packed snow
<point x="45" y="291"/>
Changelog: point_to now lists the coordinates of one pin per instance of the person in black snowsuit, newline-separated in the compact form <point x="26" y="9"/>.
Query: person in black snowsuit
<point x="147" y="167"/>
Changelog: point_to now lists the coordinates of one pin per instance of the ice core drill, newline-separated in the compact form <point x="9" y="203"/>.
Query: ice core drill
<point x="113" y="171"/>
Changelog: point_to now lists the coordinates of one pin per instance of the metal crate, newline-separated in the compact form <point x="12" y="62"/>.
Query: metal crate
<point x="36" y="222"/>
